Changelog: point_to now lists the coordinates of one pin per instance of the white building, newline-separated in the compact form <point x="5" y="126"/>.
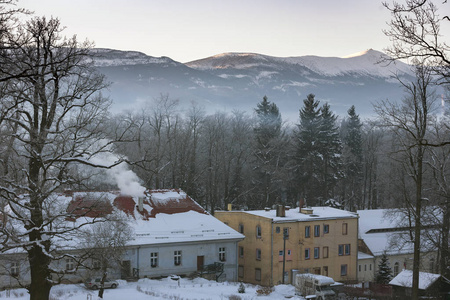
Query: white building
<point x="170" y="233"/>
<point x="379" y="231"/>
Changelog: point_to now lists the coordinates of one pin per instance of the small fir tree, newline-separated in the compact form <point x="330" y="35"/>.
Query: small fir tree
<point x="384" y="274"/>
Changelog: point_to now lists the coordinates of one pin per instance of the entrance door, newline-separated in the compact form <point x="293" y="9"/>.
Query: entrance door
<point x="125" y="270"/>
<point x="200" y="262"/>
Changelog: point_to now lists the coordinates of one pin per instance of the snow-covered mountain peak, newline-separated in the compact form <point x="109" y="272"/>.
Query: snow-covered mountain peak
<point x="110" y="57"/>
<point x="370" y="52"/>
<point x="368" y="62"/>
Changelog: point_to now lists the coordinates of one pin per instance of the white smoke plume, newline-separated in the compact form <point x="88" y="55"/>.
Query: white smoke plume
<point x="127" y="181"/>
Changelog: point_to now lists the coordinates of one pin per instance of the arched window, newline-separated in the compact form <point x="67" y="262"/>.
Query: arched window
<point x="432" y="264"/>
<point x="396" y="268"/>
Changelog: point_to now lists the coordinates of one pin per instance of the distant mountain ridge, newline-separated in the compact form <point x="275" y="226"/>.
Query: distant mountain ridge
<point x="240" y="80"/>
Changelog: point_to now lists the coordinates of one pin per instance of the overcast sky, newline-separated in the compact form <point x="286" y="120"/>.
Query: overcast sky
<point x="186" y="30"/>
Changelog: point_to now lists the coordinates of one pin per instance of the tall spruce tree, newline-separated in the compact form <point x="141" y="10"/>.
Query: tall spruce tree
<point x="384" y="273"/>
<point x="330" y="148"/>
<point x="352" y="157"/>
<point x="268" y="145"/>
<point x="307" y="154"/>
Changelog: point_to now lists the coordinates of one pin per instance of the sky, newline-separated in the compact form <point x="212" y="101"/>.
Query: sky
<point x="186" y="30"/>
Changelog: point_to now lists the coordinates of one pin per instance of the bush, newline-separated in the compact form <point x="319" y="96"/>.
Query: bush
<point x="241" y="289"/>
<point x="264" y="291"/>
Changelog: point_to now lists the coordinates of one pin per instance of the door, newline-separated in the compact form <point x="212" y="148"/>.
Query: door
<point x="125" y="269"/>
<point x="200" y="262"/>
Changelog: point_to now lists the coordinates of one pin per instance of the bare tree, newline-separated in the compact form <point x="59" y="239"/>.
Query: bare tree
<point x="60" y="117"/>
<point x="409" y="122"/>
<point x="415" y="32"/>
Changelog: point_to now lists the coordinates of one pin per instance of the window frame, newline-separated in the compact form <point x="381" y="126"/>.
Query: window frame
<point x="258" y="272"/>
<point x="325" y="252"/>
<point x="258" y="231"/>
<point x="15" y="269"/>
<point x="222" y="253"/>
<point x="307" y="231"/>
<point x="316" y="230"/>
<point x="316" y="252"/>
<point x="241" y="228"/>
<point x="241" y="271"/>
<point x="154" y="261"/>
<point x="70" y="262"/>
<point x="258" y="254"/>
<point x="344" y="270"/>
<point x="344" y="228"/>
<point x="177" y="257"/>
<point x="326" y="228"/>
<point x="307" y="253"/>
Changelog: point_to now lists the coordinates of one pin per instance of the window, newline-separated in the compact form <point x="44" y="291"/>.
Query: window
<point x="359" y="268"/>
<point x="241" y="271"/>
<point x="70" y="264"/>
<point x="154" y="259"/>
<point x="222" y="252"/>
<point x="365" y="268"/>
<point x="344" y="228"/>
<point x="241" y="251"/>
<point x="316" y="252"/>
<point x="96" y="264"/>
<point x="288" y="256"/>
<point x="286" y="232"/>
<point x="241" y="228"/>
<point x="277" y="229"/>
<point x="258" y="254"/>
<point x="307" y="231"/>
<point x="258" y="231"/>
<point x="325" y="252"/>
<point x="370" y="267"/>
<point x="344" y="249"/>
<point x="316" y="230"/>
<point x="258" y="274"/>
<point x="15" y="269"/>
<point x="307" y="253"/>
<point x="177" y="257"/>
<point x="396" y="267"/>
<point x="343" y="270"/>
<point x="280" y="253"/>
<point x="325" y="270"/>
<point x="326" y="228"/>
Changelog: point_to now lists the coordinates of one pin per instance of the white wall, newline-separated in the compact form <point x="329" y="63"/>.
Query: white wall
<point x="190" y="251"/>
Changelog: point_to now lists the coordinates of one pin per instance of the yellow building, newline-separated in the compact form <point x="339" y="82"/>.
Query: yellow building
<point x="320" y="240"/>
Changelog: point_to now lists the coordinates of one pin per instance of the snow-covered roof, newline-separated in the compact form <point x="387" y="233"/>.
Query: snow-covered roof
<point x="170" y="216"/>
<point x="362" y="255"/>
<point x="375" y="227"/>
<point x="322" y="280"/>
<point x="293" y="214"/>
<point x="404" y="279"/>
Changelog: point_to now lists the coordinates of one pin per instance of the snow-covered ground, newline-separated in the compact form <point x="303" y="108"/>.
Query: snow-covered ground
<point x="145" y="289"/>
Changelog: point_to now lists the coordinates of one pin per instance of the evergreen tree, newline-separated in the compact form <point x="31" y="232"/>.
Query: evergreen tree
<point x="330" y="148"/>
<point x="384" y="273"/>
<point x="352" y="156"/>
<point x="267" y="154"/>
<point x="307" y="156"/>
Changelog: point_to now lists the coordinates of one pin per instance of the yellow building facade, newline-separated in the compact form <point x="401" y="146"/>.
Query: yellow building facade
<point x="320" y="240"/>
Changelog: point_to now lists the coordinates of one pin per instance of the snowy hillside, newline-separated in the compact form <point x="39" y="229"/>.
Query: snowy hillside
<point x="369" y="62"/>
<point x="237" y="81"/>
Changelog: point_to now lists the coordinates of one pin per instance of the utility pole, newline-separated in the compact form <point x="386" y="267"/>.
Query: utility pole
<point x="285" y="237"/>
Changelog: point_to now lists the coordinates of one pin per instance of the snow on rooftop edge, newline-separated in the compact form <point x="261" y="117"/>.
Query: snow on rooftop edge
<point x="404" y="279"/>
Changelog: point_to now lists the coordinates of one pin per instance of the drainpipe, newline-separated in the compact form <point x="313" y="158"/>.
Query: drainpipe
<point x="271" y="255"/>
<point x="236" y="268"/>
<point x="137" y="262"/>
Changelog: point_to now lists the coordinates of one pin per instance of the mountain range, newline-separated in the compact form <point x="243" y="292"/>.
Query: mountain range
<point x="230" y="81"/>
